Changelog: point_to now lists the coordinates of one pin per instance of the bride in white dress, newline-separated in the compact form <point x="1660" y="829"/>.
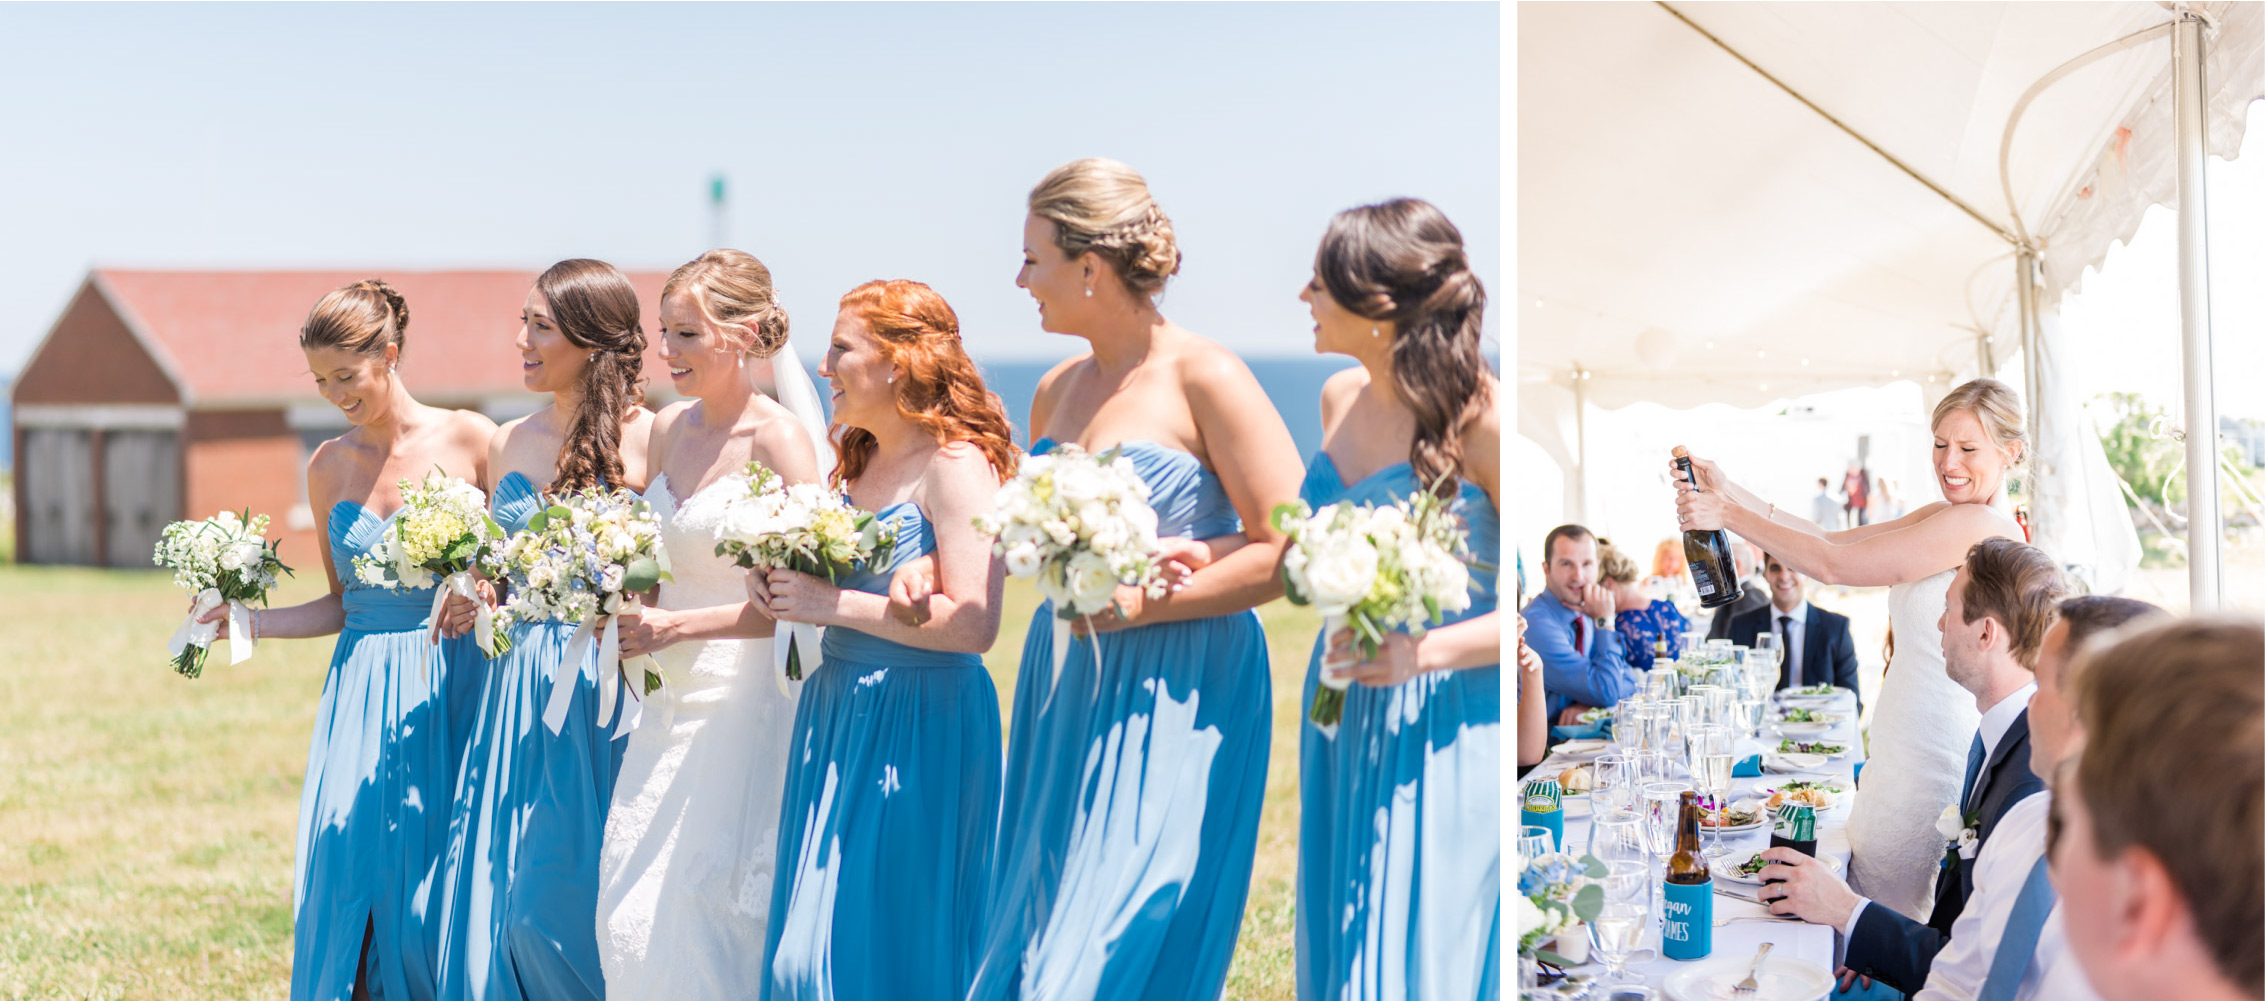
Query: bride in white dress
<point x="1922" y="722"/>
<point x="687" y="864"/>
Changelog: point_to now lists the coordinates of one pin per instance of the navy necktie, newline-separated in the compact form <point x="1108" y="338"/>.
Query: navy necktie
<point x="1973" y="771"/>
<point x="2018" y="942"/>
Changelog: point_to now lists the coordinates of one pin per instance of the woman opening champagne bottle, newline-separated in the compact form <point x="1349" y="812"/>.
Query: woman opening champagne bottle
<point x="1399" y="831"/>
<point x="530" y="810"/>
<point x="373" y="817"/>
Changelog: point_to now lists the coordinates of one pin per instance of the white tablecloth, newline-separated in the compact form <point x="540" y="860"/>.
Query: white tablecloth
<point x="1813" y="943"/>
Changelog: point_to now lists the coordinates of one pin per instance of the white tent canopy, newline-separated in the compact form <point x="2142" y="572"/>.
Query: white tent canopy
<point x="1691" y="232"/>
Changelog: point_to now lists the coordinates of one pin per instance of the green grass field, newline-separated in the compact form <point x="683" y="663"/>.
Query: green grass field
<point x="146" y="820"/>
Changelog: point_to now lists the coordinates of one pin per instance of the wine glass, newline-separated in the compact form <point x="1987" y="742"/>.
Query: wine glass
<point x="1710" y="768"/>
<point x="1612" y="780"/>
<point x="1770" y="655"/>
<point x="1622" y="920"/>
<point x="1662" y="809"/>
<point x="1618" y="837"/>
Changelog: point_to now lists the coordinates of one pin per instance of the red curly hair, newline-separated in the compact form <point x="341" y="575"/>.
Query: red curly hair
<point x="941" y="391"/>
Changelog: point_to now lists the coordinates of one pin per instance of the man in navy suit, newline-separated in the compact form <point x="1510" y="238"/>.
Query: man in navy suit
<point x="1817" y="646"/>
<point x="1994" y="622"/>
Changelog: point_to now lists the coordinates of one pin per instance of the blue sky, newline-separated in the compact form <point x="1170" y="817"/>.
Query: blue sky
<point x="861" y="141"/>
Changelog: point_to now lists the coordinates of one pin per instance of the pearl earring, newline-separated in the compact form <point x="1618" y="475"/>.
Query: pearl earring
<point x="892" y="380"/>
<point x="1089" y="291"/>
<point x="1376" y="331"/>
<point x="593" y="356"/>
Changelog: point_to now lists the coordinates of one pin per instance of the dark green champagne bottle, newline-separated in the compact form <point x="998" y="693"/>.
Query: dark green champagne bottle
<point x="1713" y="571"/>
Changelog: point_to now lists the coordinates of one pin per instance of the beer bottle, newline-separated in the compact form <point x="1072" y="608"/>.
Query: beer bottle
<point x="1688" y="932"/>
<point x="1713" y="571"/>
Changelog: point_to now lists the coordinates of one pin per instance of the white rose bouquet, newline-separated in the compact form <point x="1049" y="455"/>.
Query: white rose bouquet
<point x="224" y="559"/>
<point x="584" y="559"/>
<point x="1373" y="569"/>
<point x="769" y="524"/>
<point x="1081" y="525"/>
<point x="442" y="532"/>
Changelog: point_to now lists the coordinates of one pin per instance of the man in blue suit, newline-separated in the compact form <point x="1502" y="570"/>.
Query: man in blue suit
<point x="2002" y="603"/>
<point x="1817" y="646"/>
<point x="1570" y="624"/>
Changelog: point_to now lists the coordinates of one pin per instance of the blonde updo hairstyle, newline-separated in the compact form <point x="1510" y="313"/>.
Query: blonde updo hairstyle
<point x="1998" y="407"/>
<point x="1103" y="207"/>
<point x="1616" y="566"/>
<point x="732" y="288"/>
<point x="365" y="318"/>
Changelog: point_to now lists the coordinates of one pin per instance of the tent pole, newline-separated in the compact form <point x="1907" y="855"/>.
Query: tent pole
<point x="2189" y="113"/>
<point x="1580" y="445"/>
<point x="2032" y="388"/>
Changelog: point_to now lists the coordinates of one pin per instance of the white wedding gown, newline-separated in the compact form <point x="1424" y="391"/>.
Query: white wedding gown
<point x="1921" y="729"/>
<point x="684" y="877"/>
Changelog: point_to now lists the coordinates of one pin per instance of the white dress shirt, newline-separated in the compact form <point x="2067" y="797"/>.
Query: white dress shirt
<point x="1994" y="725"/>
<point x="1795" y="632"/>
<point x="2053" y="974"/>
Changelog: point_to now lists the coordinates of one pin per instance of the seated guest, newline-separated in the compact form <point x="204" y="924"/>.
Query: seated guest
<point x="2156" y="844"/>
<point x="1816" y="642"/>
<point x="1668" y="578"/>
<point x="1570" y="624"/>
<point x="1995" y="617"/>
<point x="2009" y="944"/>
<point x="1648" y="628"/>
<point x="1755" y="597"/>
<point x="1533" y="723"/>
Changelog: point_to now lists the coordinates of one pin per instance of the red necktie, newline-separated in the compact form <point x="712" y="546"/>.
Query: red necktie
<point x="1580" y="633"/>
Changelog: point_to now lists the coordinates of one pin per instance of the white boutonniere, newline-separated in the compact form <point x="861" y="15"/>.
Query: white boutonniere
<point x="1959" y="832"/>
<point x="1969" y="842"/>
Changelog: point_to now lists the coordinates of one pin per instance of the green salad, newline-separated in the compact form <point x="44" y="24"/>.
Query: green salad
<point x="1808" y="747"/>
<point x="1753" y="865"/>
<point x="1799" y="785"/>
<point x="1811" y="690"/>
<point x="1805" y="716"/>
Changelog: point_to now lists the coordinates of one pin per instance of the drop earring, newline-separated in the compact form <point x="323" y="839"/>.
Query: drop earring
<point x="1376" y="331"/>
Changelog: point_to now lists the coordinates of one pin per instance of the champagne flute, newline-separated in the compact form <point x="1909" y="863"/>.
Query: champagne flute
<point x="1622" y="920"/>
<point x="1710" y="767"/>
<point x="1770" y="655"/>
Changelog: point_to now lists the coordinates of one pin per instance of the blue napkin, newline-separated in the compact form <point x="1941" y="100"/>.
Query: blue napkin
<point x="1747" y="767"/>
<point x="1578" y="731"/>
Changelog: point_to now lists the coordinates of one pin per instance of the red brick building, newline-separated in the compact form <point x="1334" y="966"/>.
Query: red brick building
<point x="161" y="395"/>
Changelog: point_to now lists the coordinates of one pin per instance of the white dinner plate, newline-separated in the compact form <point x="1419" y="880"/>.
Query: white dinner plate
<point x="1788" y="763"/>
<point x="1781" y="978"/>
<point x="1729" y="871"/>
<point x="1837" y="693"/>
<point x="1584" y="746"/>
<point x="1801" y="729"/>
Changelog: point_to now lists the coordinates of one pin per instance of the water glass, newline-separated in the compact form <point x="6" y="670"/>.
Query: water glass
<point x="1623" y="919"/>
<point x="1611" y="782"/>
<point x="1618" y="837"/>
<point x="1535" y="842"/>
<point x="1663" y="805"/>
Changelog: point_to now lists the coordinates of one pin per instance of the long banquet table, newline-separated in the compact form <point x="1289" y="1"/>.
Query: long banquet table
<point x="1742" y="926"/>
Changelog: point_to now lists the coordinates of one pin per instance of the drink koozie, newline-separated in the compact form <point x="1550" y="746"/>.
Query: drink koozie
<point x="1747" y="767"/>
<point x="1538" y="813"/>
<point x="1688" y="933"/>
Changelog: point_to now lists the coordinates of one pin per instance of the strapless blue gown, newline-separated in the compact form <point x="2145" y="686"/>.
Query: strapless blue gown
<point x="1399" y="829"/>
<point x="891" y="804"/>
<point x="521" y="876"/>
<point x="1130" y="814"/>
<point x="373" y="815"/>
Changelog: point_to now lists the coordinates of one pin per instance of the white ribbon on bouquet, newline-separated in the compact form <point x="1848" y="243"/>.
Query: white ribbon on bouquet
<point x="461" y="584"/>
<point x="202" y="634"/>
<point x="1062" y="641"/>
<point x="612" y="672"/>
<point x="1336" y="673"/>
<point x="798" y="639"/>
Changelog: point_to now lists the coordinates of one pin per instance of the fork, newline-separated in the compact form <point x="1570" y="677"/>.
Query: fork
<point x="1746" y="988"/>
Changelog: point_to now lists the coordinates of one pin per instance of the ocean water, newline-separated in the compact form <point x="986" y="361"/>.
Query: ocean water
<point x="1293" y="384"/>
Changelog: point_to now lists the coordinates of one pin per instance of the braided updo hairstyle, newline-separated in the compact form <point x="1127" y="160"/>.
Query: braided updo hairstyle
<point x="732" y="288"/>
<point x="1103" y="206"/>
<point x="1403" y="261"/>
<point x="596" y="309"/>
<point x="363" y="318"/>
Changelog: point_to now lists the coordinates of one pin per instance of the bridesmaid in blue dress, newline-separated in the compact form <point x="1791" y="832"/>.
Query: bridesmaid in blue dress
<point x="521" y="878"/>
<point x="892" y="786"/>
<point x="395" y="709"/>
<point x="1399" y="839"/>
<point x="1130" y="811"/>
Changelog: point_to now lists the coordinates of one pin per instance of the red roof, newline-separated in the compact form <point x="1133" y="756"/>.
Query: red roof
<point x="232" y="336"/>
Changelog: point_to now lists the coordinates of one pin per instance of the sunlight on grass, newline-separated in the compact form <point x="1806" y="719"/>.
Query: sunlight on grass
<point x="146" y="820"/>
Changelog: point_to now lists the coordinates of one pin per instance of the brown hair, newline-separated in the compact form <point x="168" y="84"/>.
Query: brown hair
<point x="2094" y="614"/>
<point x="1403" y="261"/>
<point x="1549" y="542"/>
<point x="596" y="308"/>
<point x="2018" y="585"/>
<point x="1103" y="207"/>
<point x="2174" y="763"/>
<point x="941" y="391"/>
<point x="363" y="318"/>
<point x="1612" y="564"/>
<point x="732" y="288"/>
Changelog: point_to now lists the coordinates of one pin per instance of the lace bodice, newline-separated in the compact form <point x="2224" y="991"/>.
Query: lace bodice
<point x="699" y="577"/>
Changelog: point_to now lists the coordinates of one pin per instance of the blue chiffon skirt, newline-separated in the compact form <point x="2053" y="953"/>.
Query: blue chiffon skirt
<point x="1130" y="813"/>
<point x="373" y="813"/>
<point x="890" y="811"/>
<point x="1399" y="841"/>
<point x="521" y="879"/>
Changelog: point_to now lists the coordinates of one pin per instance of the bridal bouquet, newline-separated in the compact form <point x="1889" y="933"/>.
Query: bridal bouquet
<point x="584" y="559"/>
<point x="1374" y="569"/>
<point x="220" y="560"/>
<point x="769" y="524"/>
<point x="1081" y="525"/>
<point x="442" y="532"/>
